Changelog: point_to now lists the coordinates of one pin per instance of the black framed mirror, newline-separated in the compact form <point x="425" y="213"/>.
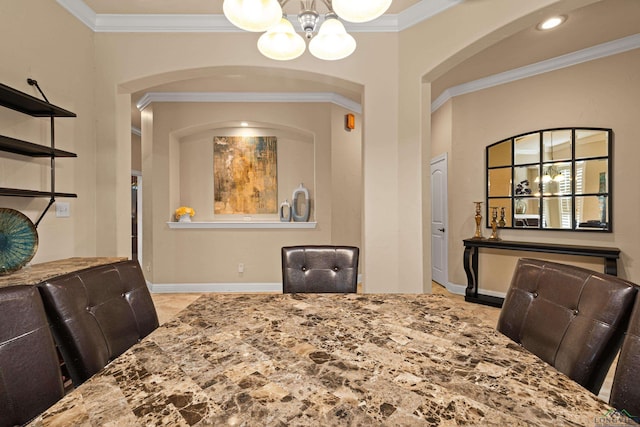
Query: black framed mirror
<point x="551" y="179"/>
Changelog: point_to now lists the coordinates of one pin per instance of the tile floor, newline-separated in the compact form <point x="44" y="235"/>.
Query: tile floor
<point x="168" y="305"/>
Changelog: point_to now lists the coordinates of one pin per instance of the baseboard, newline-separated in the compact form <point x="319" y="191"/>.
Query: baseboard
<point x="461" y="289"/>
<point x="455" y="289"/>
<point x="213" y="287"/>
<point x="177" y="288"/>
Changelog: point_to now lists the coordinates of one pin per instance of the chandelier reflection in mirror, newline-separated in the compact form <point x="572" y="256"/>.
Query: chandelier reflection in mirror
<point x="280" y="40"/>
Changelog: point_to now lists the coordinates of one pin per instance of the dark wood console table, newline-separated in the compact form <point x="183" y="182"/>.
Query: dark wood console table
<point x="471" y="246"/>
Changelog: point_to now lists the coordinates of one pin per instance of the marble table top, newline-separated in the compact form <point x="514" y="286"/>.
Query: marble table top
<point x="330" y="360"/>
<point x="32" y="274"/>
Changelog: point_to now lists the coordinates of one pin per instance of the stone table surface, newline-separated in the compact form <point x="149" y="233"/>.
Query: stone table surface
<point x="326" y="360"/>
<point x="36" y="273"/>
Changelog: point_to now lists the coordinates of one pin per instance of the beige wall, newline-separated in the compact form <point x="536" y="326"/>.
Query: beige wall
<point x="313" y="148"/>
<point x="42" y="41"/>
<point x="170" y="58"/>
<point x="424" y="55"/>
<point x="601" y="93"/>
<point x="95" y="73"/>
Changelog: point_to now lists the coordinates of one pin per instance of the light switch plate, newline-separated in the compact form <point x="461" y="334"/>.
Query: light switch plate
<point x="62" y="210"/>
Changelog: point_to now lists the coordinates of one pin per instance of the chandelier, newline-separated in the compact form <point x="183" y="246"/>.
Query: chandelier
<point x="280" y="40"/>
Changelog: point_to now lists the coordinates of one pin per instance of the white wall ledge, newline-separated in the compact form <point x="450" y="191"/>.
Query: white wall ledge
<point x="240" y="224"/>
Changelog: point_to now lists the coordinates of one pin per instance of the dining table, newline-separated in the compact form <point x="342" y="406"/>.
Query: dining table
<point x="327" y="360"/>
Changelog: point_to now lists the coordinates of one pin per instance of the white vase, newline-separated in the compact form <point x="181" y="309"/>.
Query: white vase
<point x="184" y="218"/>
<point x="285" y="211"/>
<point x="300" y="209"/>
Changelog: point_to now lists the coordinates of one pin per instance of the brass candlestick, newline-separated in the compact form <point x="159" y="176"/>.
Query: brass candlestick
<point x="494" y="224"/>
<point x="502" y="222"/>
<point x="478" y="235"/>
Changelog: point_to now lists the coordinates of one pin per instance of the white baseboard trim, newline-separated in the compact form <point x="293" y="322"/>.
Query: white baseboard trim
<point x="179" y="288"/>
<point x="455" y="289"/>
<point x="167" y="288"/>
<point x="460" y="290"/>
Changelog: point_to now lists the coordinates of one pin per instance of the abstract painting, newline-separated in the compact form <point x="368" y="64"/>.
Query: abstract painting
<point x="245" y="177"/>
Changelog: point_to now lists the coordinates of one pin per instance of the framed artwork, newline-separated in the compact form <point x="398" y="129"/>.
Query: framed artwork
<point x="245" y="177"/>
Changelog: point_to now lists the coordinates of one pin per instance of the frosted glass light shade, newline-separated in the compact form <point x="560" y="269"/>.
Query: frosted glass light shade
<point x="332" y="41"/>
<point x="281" y="42"/>
<point x="360" y="10"/>
<point x="252" y="15"/>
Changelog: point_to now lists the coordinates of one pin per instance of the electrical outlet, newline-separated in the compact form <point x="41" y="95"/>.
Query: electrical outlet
<point x="240" y="267"/>
<point x="62" y="210"/>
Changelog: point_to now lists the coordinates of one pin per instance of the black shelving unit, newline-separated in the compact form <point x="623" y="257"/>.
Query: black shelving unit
<point x="35" y="107"/>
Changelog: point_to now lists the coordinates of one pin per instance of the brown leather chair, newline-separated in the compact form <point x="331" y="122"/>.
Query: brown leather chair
<point x="30" y="378"/>
<point x="320" y="269"/>
<point x="625" y="391"/>
<point x="570" y="317"/>
<point x="97" y="314"/>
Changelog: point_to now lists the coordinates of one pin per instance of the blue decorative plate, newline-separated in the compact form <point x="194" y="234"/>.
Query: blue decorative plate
<point x="18" y="240"/>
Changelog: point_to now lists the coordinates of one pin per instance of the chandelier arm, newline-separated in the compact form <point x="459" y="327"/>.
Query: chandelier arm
<point x="282" y="3"/>
<point x="329" y="5"/>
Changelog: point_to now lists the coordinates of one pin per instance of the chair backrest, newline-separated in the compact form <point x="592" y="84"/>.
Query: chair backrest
<point x="625" y="391"/>
<point x="570" y="317"/>
<point x="30" y="378"/>
<point x="97" y="314"/>
<point x="320" y="269"/>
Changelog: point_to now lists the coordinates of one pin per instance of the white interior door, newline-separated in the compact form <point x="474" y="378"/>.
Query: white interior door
<point x="439" y="246"/>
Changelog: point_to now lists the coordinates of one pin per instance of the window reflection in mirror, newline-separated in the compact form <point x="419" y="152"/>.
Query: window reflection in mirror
<point x="554" y="179"/>
<point x="526" y="181"/>
<point x="591" y="143"/>
<point x="557" y="145"/>
<point x="591" y="176"/>
<point x="527" y="149"/>
<point x="527" y="213"/>
<point x="591" y="212"/>
<point x="557" y="213"/>
<point x="504" y="210"/>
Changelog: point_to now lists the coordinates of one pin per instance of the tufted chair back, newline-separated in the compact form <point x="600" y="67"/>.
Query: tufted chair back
<point x="97" y="314"/>
<point x="30" y="378"/>
<point x="320" y="269"/>
<point x="625" y="392"/>
<point x="570" y="317"/>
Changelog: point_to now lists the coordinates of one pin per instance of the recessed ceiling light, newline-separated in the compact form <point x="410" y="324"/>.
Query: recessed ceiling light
<point x="552" y="22"/>
<point x="244" y="124"/>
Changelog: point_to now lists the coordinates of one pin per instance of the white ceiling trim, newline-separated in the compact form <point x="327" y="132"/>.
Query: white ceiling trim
<point x="106" y="23"/>
<point x="589" y="54"/>
<point x="423" y="10"/>
<point x="298" y="97"/>
<point x="80" y="10"/>
<point x="148" y="23"/>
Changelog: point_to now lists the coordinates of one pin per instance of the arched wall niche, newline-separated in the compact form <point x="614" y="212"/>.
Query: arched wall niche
<point x="295" y="164"/>
<point x="291" y="84"/>
<point x="177" y="168"/>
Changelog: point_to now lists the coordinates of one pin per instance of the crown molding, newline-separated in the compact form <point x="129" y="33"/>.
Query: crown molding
<point x="298" y="97"/>
<point x="81" y="11"/>
<point x="132" y="23"/>
<point x="181" y="23"/>
<point x="578" y="57"/>
<point x="423" y="10"/>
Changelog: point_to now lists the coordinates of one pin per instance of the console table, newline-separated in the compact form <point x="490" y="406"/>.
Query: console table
<point x="471" y="247"/>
